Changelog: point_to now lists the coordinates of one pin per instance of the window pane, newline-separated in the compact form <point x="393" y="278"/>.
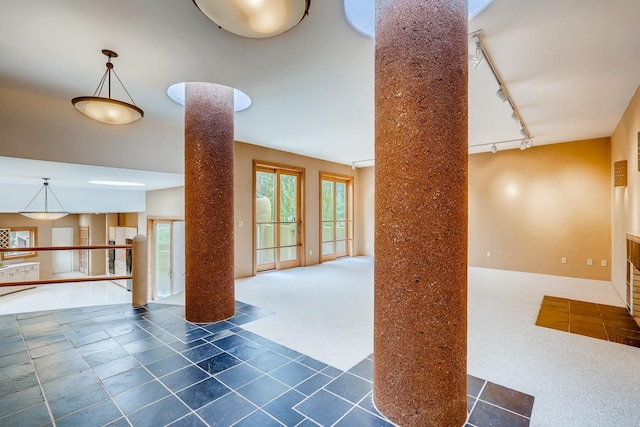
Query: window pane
<point x="288" y="234"/>
<point x="288" y="254"/>
<point x="341" y="230"/>
<point x="327" y="248"/>
<point x="163" y="259"/>
<point x="288" y="198"/>
<point x="341" y="246"/>
<point x="327" y="200"/>
<point x="265" y="256"/>
<point x="265" y="236"/>
<point x="265" y="196"/>
<point x="327" y="231"/>
<point x="341" y="200"/>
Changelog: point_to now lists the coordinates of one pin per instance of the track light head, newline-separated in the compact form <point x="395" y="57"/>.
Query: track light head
<point x="353" y="165"/>
<point x="529" y="143"/>
<point x="502" y="94"/>
<point x="524" y="133"/>
<point x="523" y="144"/>
<point x="494" y="149"/>
<point x="515" y="117"/>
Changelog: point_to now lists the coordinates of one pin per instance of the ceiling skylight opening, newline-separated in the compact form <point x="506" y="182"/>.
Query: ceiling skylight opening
<point x="361" y="14"/>
<point x="241" y="101"/>
<point x="118" y="183"/>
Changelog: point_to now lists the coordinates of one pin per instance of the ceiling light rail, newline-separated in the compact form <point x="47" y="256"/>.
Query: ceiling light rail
<point x="526" y="143"/>
<point x="502" y="93"/>
<point x="355" y="163"/>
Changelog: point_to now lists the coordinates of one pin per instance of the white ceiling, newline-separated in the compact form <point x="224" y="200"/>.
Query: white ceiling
<point x="571" y="67"/>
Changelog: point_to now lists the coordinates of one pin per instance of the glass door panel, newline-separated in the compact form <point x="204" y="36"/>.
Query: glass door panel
<point x="335" y="222"/>
<point x="162" y="261"/>
<point x="288" y="225"/>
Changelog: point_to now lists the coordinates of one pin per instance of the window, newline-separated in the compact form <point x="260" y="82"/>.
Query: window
<point x="21" y="237"/>
<point x="335" y="216"/>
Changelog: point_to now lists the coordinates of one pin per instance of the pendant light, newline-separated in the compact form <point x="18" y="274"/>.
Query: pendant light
<point x="255" y="18"/>
<point x="108" y="110"/>
<point x="44" y="215"/>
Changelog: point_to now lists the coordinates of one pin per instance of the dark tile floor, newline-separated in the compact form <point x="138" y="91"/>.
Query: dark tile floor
<point x="605" y="322"/>
<point x="146" y="366"/>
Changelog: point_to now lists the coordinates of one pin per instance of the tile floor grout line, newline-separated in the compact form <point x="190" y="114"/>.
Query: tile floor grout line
<point x="475" y="401"/>
<point x="503" y="408"/>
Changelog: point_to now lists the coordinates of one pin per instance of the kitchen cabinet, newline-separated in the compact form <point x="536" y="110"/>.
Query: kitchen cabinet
<point x="19" y="273"/>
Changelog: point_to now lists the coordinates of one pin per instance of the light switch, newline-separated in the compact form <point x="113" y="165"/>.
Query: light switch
<point x="240" y="223"/>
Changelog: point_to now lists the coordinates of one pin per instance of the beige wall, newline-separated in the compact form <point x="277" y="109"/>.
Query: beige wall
<point x="97" y="224"/>
<point x="170" y="203"/>
<point x="626" y="200"/>
<point x="365" y="209"/>
<point x="531" y="208"/>
<point x="8" y="220"/>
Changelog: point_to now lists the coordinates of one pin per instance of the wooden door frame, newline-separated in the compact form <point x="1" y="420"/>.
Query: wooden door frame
<point x="349" y="211"/>
<point x="151" y="245"/>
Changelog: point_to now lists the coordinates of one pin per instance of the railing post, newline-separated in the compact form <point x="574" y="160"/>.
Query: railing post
<point x="139" y="271"/>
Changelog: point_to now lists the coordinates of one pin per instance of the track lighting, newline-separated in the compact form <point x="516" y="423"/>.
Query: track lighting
<point x="529" y="143"/>
<point x="523" y="144"/>
<point x="515" y="117"/>
<point x="524" y="133"/>
<point x="494" y="149"/>
<point x="478" y="57"/>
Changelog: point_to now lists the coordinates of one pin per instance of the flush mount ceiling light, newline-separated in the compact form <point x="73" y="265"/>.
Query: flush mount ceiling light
<point x="44" y="215"/>
<point x="255" y="18"/>
<point x="108" y="110"/>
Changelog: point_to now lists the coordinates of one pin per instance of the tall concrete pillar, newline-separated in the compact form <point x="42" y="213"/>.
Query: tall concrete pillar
<point x="208" y="141"/>
<point x="420" y="314"/>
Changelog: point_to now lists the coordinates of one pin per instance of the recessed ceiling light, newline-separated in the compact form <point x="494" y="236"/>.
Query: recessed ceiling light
<point x="361" y="14"/>
<point x="118" y="183"/>
<point x="241" y="101"/>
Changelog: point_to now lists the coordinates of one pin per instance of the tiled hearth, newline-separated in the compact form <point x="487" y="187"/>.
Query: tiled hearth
<point x="601" y="321"/>
<point x="117" y="365"/>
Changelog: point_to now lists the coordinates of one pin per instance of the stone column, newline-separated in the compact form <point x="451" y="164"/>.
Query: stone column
<point x="420" y="314"/>
<point x="208" y="142"/>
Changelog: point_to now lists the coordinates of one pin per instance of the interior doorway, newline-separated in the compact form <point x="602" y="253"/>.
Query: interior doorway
<point x="61" y="261"/>
<point x="167" y="257"/>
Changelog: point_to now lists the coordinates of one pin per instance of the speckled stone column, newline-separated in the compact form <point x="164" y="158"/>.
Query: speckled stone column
<point x="208" y="153"/>
<point x="420" y="314"/>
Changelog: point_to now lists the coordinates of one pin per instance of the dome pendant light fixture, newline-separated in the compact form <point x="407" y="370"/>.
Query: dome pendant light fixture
<point x="108" y="110"/>
<point x="44" y="215"/>
<point x="255" y="18"/>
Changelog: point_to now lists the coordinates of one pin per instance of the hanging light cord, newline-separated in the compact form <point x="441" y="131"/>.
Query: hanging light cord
<point x="106" y="74"/>
<point x="46" y="189"/>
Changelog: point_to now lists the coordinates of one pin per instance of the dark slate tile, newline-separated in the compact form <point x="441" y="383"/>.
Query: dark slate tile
<point x="332" y="372"/>
<point x="63" y="369"/>
<point x="258" y="418"/>
<point x="307" y="423"/>
<point x="14" y="359"/>
<point x="141" y="345"/>
<point x="312" y="363"/>
<point x="34" y="416"/>
<point x="123" y="329"/>
<point x="203" y="393"/>
<point x="231" y="342"/>
<point x="286" y="351"/>
<point x="262" y="390"/>
<point x="218" y="326"/>
<point x="9" y="332"/>
<point x="474" y="385"/>
<point x="66" y="385"/>
<point x="368" y="405"/>
<point x="360" y="417"/>
<point x="363" y="369"/>
<point x="202" y="352"/>
<point x="92" y="416"/>
<point x="160" y="413"/>
<point x="350" y="387"/>
<point x="180" y="346"/>
<point x="105" y="356"/>
<point x="281" y="408"/>
<point x="12" y="345"/>
<point x="120" y="422"/>
<point x="239" y="375"/>
<point x="190" y="420"/>
<point x="55" y="359"/>
<point x="218" y="363"/>
<point x="247" y="351"/>
<point x="96" y="347"/>
<point x="77" y="400"/>
<point x="241" y="319"/>
<point x="19" y="401"/>
<point x="46" y="350"/>
<point x="154" y="354"/>
<point x="513" y="400"/>
<point x="219" y="335"/>
<point x="45" y="340"/>
<point x="195" y="334"/>
<point x="132" y="400"/>
<point x="470" y="402"/>
<point x="324" y="407"/>
<point x="116" y="367"/>
<point x="292" y="373"/>
<point x="128" y="338"/>
<point x="487" y="415"/>
<point x="313" y="384"/>
<point x="268" y="361"/>
<point x="184" y="378"/>
<point x="167" y="365"/>
<point x="90" y="338"/>
<point x="127" y="380"/>
<point x="17" y="378"/>
<point x="227" y="410"/>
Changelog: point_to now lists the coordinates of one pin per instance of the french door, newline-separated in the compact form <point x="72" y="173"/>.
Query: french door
<point x="277" y="217"/>
<point x="335" y="212"/>
<point x="168" y="257"/>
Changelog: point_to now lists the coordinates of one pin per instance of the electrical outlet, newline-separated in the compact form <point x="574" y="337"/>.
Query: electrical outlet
<point x="603" y="263"/>
<point x="563" y="260"/>
<point x="589" y="261"/>
<point x="310" y="252"/>
<point x="240" y="223"/>
<point x="488" y="254"/>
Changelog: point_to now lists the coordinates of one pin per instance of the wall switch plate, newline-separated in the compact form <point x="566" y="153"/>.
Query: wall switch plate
<point x="563" y="260"/>
<point x="603" y="262"/>
<point x="310" y="252"/>
<point x="589" y="261"/>
<point x="240" y="223"/>
<point x="488" y="254"/>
